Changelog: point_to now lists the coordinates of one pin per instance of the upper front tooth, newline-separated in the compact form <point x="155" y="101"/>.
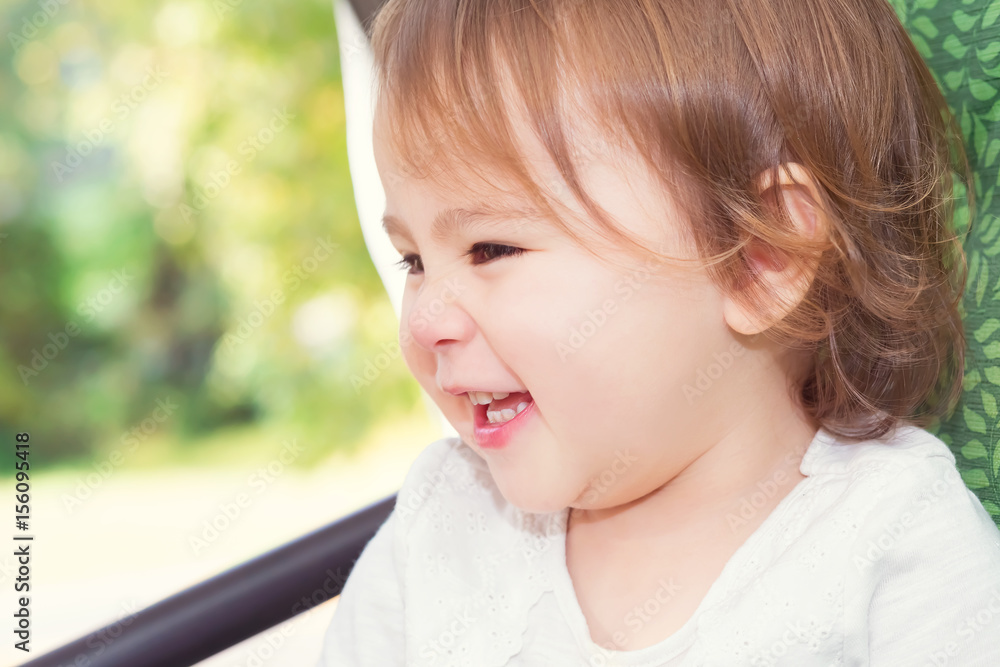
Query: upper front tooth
<point x="485" y="397"/>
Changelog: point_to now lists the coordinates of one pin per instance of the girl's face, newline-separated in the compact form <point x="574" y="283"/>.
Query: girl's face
<point x="619" y="363"/>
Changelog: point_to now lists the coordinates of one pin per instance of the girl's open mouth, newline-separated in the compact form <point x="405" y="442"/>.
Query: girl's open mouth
<point x="509" y="414"/>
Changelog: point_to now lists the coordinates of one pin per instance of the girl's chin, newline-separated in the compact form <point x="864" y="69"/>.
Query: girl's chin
<point x="463" y="426"/>
<point x="526" y="498"/>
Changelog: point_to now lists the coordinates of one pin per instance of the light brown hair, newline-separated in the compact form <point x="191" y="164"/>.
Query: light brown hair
<point x="710" y="94"/>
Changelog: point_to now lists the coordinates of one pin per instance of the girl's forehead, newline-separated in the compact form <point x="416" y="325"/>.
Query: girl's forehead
<point x="529" y="190"/>
<point x="437" y="143"/>
<point x="455" y="176"/>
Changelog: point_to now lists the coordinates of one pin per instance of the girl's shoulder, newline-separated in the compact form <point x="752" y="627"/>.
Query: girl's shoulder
<point x="904" y="462"/>
<point x="904" y="447"/>
<point x="919" y="550"/>
<point x="902" y="489"/>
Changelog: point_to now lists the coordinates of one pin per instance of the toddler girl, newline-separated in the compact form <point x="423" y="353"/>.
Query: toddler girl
<point x="682" y="275"/>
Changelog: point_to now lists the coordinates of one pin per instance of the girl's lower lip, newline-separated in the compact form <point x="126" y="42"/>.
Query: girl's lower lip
<point x="497" y="436"/>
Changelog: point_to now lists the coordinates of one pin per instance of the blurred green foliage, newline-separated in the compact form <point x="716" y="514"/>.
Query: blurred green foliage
<point x="180" y="252"/>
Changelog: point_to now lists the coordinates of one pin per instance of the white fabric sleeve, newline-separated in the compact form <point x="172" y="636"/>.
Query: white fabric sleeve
<point x="936" y="593"/>
<point x="369" y="624"/>
<point x="367" y="627"/>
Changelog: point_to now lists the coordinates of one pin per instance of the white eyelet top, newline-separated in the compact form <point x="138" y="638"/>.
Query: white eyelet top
<point x="881" y="556"/>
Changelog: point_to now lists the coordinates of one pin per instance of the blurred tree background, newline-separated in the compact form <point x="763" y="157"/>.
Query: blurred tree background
<point x="181" y="264"/>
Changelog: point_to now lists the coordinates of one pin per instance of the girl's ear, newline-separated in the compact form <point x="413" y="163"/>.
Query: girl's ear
<point x="789" y="280"/>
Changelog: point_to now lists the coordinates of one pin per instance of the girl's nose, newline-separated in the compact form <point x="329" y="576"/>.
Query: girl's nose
<point x="436" y="315"/>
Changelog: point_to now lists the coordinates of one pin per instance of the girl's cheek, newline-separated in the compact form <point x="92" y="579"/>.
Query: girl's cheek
<point x="418" y="360"/>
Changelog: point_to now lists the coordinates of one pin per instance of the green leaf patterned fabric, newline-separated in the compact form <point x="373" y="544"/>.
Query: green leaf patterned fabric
<point x="960" y="41"/>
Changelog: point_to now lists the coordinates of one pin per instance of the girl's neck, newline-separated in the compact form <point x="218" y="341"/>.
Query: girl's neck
<point x="699" y="499"/>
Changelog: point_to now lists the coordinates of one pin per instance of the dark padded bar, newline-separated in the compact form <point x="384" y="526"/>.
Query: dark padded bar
<point x="233" y="606"/>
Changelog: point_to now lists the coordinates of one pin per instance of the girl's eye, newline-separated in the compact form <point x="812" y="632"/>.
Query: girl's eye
<point x="487" y="252"/>
<point x="491" y="251"/>
<point x="410" y="262"/>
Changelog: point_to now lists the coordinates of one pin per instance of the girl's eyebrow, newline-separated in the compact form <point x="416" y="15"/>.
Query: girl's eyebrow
<point x="455" y="220"/>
